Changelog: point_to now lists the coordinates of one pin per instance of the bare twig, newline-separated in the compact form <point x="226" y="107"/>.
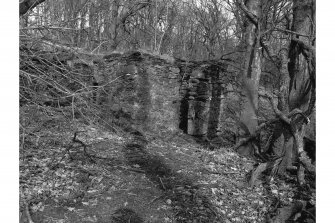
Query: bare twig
<point x="74" y="139"/>
<point x="160" y="179"/>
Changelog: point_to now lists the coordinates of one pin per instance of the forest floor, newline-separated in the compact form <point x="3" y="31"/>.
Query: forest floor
<point x="101" y="176"/>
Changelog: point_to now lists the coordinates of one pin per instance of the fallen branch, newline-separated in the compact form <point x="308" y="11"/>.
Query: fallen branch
<point x="160" y="179"/>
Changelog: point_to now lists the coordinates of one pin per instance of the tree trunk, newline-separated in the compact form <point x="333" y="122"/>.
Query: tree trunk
<point x="252" y="69"/>
<point x="302" y="70"/>
<point x="301" y="87"/>
<point x="167" y="36"/>
<point x="284" y="82"/>
<point x="282" y="143"/>
<point x="114" y="24"/>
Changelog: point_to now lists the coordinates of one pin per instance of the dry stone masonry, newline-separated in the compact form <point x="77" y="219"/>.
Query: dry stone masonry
<point x="164" y="94"/>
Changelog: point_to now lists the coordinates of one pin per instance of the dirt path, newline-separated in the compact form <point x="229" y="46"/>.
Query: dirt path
<point x="179" y="190"/>
<point x="133" y="177"/>
<point x="151" y="191"/>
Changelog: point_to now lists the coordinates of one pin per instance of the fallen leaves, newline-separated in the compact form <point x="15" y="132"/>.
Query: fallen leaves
<point x="219" y="176"/>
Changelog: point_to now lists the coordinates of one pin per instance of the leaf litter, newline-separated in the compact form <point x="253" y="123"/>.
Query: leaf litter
<point x="52" y="176"/>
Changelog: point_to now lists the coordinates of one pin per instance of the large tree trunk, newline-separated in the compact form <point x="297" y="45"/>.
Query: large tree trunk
<point x="301" y="66"/>
<point x="282" y="142"/>
<point x="288" y="140"/>
<point x="252" y="68"/>
<point x="302" y="70"/>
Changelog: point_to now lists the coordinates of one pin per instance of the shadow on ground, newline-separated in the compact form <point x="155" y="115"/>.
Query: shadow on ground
<point x="188" y="204"/>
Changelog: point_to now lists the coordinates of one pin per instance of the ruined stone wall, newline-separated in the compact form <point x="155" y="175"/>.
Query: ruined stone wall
<point x="144" y="87"/>
<point x="163" y="94"/>
<point x="201" y="98"/>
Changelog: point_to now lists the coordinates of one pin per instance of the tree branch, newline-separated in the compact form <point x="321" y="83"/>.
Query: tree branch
<point x="253" y="18"/>
<point x="137" y="7"/>
<point x="290" y="31"/>
<point x="26" y="5"/>
<point x="278" y="113"/>
<point x="306" y="47"/>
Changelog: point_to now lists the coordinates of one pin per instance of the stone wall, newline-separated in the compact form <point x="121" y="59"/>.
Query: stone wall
<point x="203" y="99"/>
<point x="163" y="94"/>
<point x="143" y="86"/>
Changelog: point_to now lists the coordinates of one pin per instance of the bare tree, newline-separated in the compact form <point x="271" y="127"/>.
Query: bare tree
<point x="252" y="66"/>
<point x="302" y="73"/>
<point x="297" y="82"/>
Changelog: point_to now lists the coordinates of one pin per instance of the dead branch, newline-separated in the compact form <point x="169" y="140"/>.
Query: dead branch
<point x="75" y="140"/>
